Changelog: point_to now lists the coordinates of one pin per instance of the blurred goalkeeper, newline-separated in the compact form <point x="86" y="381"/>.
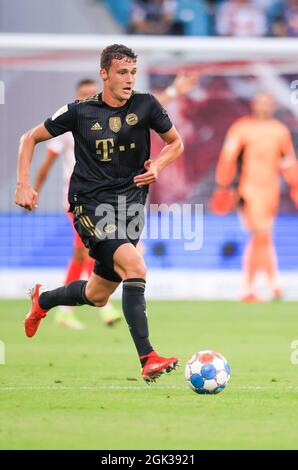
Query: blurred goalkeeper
<point x="260" y="148"/>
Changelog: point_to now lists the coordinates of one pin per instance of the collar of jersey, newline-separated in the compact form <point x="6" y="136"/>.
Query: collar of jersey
<point x="113" y="108"/>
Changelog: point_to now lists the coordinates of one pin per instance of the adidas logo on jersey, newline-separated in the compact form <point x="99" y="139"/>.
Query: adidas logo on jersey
<point x="96" y="127"/>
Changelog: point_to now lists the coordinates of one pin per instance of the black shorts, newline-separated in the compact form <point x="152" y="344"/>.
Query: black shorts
<point x="103" y="234"/>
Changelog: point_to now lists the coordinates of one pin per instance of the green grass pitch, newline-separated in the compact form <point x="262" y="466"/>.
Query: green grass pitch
<point x="82" y="390"/>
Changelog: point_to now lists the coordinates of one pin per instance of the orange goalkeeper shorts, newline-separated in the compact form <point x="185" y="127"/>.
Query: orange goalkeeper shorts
<point x="258" y="216"/>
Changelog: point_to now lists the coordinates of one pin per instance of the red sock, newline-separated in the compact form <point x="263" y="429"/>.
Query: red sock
<point x="74" y="271"/>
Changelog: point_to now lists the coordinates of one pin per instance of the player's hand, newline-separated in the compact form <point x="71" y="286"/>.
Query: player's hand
<point x="185" y="83"/>
<point x="149" y="177"/>
<point x="26" y="197"/>
<point x="223" y="201"/>
<point x="294" y="195"/>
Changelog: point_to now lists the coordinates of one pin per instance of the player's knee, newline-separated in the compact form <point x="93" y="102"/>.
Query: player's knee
<point x="136" y="269"/>
<point x="264" y="238"/>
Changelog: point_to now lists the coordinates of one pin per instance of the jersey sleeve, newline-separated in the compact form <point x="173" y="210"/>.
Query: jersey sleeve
<point x="62" y="121"/>
<point x="159" y="119"/>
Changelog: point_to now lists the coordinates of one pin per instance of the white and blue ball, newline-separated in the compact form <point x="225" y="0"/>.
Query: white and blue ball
<point x="207" y="372"/>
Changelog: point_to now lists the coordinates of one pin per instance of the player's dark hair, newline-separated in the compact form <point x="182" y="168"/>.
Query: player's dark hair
<point x="115" y="51"/>
<point x="85" y="81"/>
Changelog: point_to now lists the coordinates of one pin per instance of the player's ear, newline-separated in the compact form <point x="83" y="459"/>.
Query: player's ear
<point x="103" y="74"/>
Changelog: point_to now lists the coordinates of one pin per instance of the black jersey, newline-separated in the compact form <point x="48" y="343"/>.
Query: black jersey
<point x="111" y="146"/>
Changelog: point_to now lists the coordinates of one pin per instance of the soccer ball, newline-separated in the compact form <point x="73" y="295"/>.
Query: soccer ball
<point x="207" y="372"/>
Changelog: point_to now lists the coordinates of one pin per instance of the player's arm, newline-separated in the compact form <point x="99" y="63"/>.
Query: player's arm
<point x="25" y="196"/>
<point x="227" y="163"/>
<point x="289" y="166"/>
<point x="182" y="85"/>
<point x="172" y="150"/>
<point x="159" y="121"/>
<point x="44" y="169"/>
<point x="62" y="121"/>
<point x="224" y="199"/>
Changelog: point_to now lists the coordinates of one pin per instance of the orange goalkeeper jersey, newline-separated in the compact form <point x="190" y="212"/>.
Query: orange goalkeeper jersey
<point x="263" y="143"/>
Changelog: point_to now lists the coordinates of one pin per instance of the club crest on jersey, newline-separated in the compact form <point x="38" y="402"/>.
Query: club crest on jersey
<point x="131" y="119"/>
<point x="115" y="124"/>
<point x="60" y="111"/>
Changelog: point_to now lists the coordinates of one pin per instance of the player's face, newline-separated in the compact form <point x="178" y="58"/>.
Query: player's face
<point x="87" y="90"/>
<point x="120" y="78"/>
<point x="263" y="106"/>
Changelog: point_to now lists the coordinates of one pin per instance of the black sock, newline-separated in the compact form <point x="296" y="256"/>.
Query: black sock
<point x="134" y="308"/>
<point x="71" y="294"/>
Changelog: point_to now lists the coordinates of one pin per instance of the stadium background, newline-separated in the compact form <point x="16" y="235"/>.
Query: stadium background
<point x="39" y="77"/>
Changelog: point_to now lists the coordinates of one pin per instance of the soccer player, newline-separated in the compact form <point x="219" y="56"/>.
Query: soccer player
<point x="80" y="262"/>
<point x="64" y="145"/>
<point x="108" y="188"/>
<point x="266" y="148"/>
